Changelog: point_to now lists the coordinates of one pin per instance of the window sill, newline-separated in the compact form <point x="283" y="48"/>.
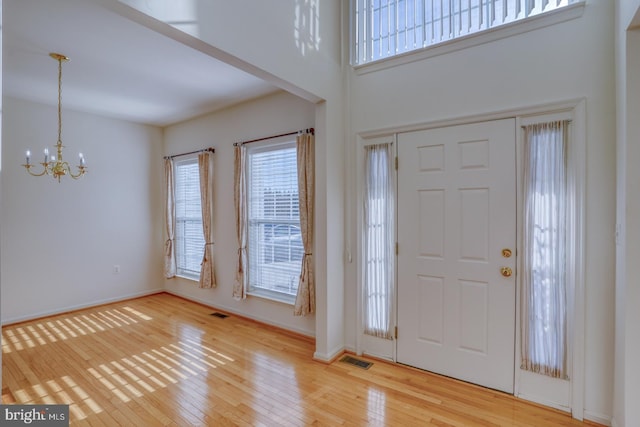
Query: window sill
<point x="566" y="13"/>
<point x="273" y="296"/>
<point x="188" y="277"/>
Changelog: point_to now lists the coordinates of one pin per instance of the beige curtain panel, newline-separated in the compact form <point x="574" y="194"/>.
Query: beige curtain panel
<point x="306" y="297"/>
<point x="240" y="204"/>
<point x="207" y="269"/>
<point x="170" y="221"/>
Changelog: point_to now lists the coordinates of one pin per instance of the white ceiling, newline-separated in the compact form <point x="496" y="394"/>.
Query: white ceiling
<point x="117" y="67"/>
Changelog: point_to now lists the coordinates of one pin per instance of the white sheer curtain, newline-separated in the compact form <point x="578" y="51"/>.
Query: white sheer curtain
<point x="544" y="294"/>
<point x="170" y="220"/>
<point x="378" y="240"/>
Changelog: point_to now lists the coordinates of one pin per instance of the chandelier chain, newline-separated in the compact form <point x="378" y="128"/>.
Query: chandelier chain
<point x="59" y="99"/>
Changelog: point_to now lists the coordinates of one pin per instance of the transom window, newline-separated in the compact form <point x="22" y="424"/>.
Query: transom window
<point x="189" y="237"/>
<point x="274" y="247"/>
<point x="385" y="28"/>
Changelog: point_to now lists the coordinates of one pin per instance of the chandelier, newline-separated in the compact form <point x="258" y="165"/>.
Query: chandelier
<point x="57" y="166"/>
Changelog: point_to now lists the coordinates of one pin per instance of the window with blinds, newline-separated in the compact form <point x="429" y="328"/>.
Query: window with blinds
<point x="189" y="237"/>
<point x="274" y="247"/>
<point x="385" y="28"/>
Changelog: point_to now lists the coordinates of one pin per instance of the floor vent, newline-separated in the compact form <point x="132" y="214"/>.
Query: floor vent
<point x="356" y="362"/>
<point x="220" y="315"/>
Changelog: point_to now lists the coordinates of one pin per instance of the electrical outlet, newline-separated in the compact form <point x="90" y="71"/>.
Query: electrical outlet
<point x="116" y="269"/>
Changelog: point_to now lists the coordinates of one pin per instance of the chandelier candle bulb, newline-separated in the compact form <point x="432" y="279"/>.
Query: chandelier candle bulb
<point x="81" y="159"/>
<point x="46" y="155"/>
<point x="28" y="157"/>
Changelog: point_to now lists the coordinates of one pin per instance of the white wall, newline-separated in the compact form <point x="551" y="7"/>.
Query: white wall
<point x="60" y="241"/>
<point x="302" y="36"/>
<point x="296" y="45"/>
<point x="271" y="115"/>
<point x="627" y="347"/>
<point x="1" y="56"/>
<point x="566" y="61"/>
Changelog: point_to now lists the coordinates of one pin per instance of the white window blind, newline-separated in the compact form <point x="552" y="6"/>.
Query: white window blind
<point x="189" y="237"/>
<point x="275" y="244"/>
<point x="384" y="28"/>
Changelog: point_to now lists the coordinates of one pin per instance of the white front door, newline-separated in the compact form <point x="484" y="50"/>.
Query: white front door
<point x="456" y="215"/>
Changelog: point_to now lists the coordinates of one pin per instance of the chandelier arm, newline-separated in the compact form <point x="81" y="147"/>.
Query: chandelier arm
<point x="81" y="171"/>
<point x="45" y="170"/>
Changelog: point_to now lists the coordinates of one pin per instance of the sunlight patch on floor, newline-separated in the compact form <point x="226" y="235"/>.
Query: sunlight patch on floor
<point x="20" y="337"/>
<point x="62" y="391"/>
<point x="134" y="376"/>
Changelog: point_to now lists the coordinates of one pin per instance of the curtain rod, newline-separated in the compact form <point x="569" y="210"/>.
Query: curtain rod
<point x="210" y="149"/>
<point x="308" y="130"/>
<point x="543" y="123"/>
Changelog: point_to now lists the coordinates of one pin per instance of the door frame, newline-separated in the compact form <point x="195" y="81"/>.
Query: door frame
<point x="576" y="108"/>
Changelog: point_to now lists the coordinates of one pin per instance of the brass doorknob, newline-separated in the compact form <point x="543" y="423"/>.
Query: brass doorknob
<point x="506" y="271"/>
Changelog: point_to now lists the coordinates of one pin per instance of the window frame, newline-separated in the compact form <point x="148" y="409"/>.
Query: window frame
<point x="566" y="13"/>
<point x="273" y="144"/>
<point x="535" y="387"/>
<point x="181" y="270"/>
<point x="365" y="343"/>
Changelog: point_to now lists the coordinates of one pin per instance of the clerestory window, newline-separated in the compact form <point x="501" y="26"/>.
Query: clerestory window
<point x="385" y="28"/>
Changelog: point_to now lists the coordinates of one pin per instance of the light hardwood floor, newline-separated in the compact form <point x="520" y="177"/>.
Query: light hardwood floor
<point x="161" y="360"/>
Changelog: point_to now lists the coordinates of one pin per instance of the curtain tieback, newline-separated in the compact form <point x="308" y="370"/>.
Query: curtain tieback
<point x="204" y="258"/>
<point x="304" y="273"/>
<point x="240" y="266"/>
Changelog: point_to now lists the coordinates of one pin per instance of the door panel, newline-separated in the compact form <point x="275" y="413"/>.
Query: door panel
<point x="456" y="212"/>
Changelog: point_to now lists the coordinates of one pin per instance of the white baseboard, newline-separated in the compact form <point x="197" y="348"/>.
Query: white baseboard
<point x="80" y="306"/>
<point x="241" y="313"/>
<point x="328" y="357"/>
<point x="598" y="418"/>
<point x="350" y="349"/>
<point x="542" y="401"/>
